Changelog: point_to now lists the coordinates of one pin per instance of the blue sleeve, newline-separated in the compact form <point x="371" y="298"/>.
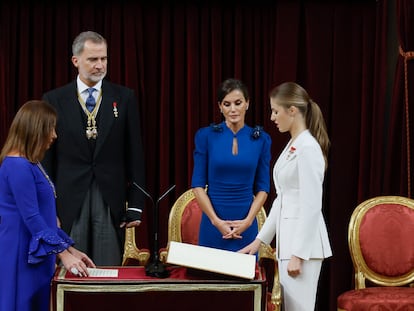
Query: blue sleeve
<point x="262" y="180"/>
<point x="200" y="157"/>
<point x="48" y="242"/>
<point x="45" y="240"/>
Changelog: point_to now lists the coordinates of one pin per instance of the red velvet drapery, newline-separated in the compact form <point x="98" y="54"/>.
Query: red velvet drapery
<point x="174" y="55"/>
<point x="399" y="167"/>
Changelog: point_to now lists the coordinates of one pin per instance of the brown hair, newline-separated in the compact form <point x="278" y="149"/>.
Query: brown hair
<point x="292" y="94"/>
<point x="30" y="131"/>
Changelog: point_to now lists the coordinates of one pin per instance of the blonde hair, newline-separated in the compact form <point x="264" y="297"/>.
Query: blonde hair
<point x="30" y="131"/>
<point x="291" y="94"/>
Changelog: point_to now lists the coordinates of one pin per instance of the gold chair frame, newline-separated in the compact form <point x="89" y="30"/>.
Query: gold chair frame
<point x="265" y="251"/>
<point x="362" y="271"/>
<point x="132" y="252"/>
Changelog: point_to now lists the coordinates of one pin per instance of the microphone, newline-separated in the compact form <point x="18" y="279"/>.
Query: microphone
<point x="165" y="193"/>
<point x="155" y="268"/>
<point x="143" y="191"/>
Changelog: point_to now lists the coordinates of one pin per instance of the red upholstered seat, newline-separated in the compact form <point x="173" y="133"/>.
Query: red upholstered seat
<point x="378" y="298"/>
<point x="381" y="243"/>
<point x="190" y="222"/>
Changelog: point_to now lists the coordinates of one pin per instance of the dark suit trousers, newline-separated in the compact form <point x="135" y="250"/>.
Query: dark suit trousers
<point x="94" y="232"/>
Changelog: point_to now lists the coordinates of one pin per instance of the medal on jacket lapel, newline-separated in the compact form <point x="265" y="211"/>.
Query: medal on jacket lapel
<point x="91" y="125"/>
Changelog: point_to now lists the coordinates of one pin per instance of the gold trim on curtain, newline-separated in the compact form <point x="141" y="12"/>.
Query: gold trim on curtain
<point x="407" y="56"/>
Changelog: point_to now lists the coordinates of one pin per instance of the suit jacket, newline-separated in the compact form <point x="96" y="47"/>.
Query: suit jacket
<point x="296" y="214"/>
<point x="115" y="162"/>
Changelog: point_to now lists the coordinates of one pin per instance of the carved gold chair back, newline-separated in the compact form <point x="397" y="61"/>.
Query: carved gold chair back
<point x="183" y="226"/>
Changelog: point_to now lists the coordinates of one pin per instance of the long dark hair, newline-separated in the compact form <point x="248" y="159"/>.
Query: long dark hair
<point x="30" y="131"/>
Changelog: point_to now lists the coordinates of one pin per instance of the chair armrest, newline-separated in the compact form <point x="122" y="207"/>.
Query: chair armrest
<point x="132" y="255"/>
<point x="163" y="252"/>
<point x="267" y="259"/>
<point x="276" y="296"/>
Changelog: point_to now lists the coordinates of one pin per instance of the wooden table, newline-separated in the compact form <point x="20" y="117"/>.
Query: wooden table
<point x="184" y="290"/>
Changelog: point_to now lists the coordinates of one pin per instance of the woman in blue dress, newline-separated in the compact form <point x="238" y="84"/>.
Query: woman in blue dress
<point x="231" y="176"/>
<point x="30" y="238"/>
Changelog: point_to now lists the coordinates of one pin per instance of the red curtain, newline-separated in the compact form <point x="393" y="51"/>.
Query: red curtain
<point x="399" y="165"/>
<point x="174" y="55"/>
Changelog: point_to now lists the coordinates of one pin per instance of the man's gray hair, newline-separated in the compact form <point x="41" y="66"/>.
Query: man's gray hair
<point x="79" y="42"/>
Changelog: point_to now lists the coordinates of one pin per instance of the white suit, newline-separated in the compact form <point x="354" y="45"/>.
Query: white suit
<point x="296" y="215"/>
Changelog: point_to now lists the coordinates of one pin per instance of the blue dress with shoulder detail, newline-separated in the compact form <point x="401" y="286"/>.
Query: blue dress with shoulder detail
<point x="231" y="180"/>
<point x="29" y="236"/>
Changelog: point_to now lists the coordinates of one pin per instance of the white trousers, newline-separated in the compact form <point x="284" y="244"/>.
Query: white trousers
<point x="299" y="293"/>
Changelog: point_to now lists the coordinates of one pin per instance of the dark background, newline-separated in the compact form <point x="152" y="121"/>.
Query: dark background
<point x="175" y="54"/>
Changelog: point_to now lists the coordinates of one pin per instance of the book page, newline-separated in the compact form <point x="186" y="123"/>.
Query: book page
<point x="103" y="273"/>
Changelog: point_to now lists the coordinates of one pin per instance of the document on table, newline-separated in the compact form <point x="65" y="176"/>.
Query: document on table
<point x="103" y="273"/>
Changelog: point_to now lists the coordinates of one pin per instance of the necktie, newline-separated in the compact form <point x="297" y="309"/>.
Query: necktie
<point x="90" y="101"/>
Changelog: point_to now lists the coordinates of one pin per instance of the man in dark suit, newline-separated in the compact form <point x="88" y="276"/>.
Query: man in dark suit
<point x="97" y="156"/>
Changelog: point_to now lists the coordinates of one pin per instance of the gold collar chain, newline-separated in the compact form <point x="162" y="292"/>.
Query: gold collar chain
<point x="91" y="126"/>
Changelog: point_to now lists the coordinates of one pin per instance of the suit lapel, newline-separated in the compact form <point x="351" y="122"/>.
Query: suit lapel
<point x="71" y="115"/>
<point x="282" y="159"/>
<point x="106" y="116"/>
<point x="288" y="154"/>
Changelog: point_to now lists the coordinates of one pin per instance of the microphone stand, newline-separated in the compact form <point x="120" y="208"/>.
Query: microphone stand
<point x="155" y="268"/>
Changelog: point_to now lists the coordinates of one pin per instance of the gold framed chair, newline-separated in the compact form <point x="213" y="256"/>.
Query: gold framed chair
<point x="183" y="225"/>
<point x="133" y="256"/>
<point x="381" y="244"/>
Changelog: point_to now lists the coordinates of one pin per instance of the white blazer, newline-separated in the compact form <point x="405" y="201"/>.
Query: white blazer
<point x="296" y="214"/>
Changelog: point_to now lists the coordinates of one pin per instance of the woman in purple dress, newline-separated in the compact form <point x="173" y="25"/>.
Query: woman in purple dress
<point x="232" y="160"/>
<point x="30" y="238"/>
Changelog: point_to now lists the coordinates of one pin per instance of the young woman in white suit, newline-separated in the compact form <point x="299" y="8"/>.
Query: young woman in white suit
<point x="296" y="217"/>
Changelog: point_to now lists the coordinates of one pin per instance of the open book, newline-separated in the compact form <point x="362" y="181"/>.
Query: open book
<point x="212" y="259"/>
